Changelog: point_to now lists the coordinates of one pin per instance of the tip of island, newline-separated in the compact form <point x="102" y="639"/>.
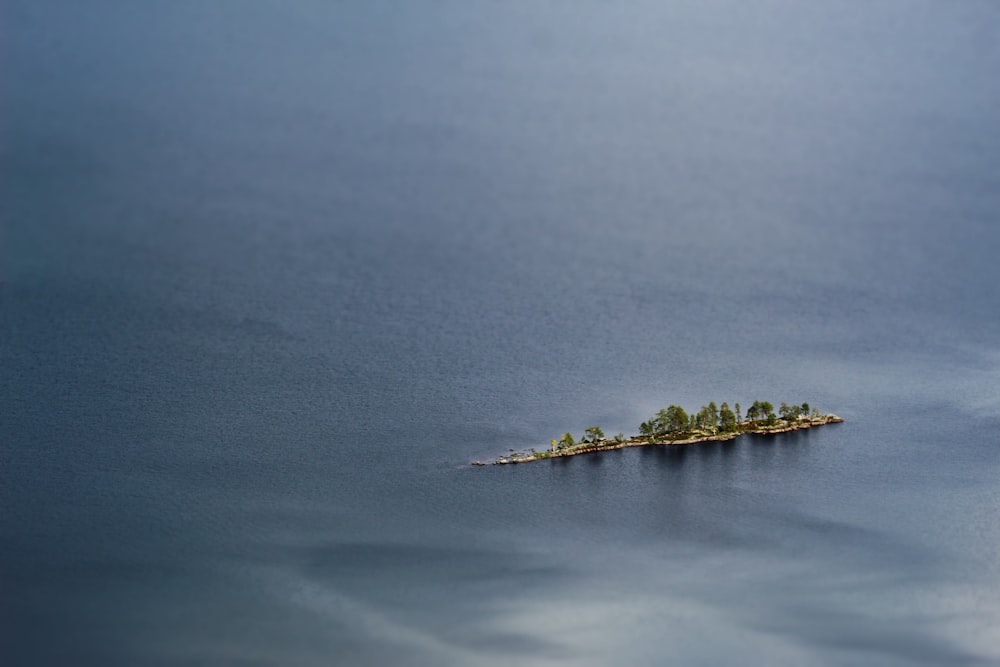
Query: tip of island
<point x="673" y="426"/>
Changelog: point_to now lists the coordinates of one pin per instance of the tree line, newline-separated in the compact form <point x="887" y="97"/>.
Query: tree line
<point x="673" y="422"/>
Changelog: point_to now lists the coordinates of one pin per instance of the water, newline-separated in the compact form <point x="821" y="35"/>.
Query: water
<point x="275" y="275"/>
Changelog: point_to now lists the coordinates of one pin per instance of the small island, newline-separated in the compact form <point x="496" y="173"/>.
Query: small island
<point x="673" y="426"/>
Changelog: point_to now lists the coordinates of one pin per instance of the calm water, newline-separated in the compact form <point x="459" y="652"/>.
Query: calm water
<point x="274" y="273"/>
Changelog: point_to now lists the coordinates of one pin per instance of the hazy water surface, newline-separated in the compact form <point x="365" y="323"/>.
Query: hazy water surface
<point x="275" y="273"/>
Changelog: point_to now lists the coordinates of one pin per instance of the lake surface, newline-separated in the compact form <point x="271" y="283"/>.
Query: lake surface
<point x="275" y="273"/>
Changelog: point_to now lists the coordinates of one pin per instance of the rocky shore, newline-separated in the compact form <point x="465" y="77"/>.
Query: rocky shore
<point x="782" y="426"/>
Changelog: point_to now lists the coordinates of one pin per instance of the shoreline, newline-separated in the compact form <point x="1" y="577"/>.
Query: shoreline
<point x="641" y="441"/>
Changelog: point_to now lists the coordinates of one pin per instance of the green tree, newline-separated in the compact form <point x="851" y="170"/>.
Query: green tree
<point x="647" y="430"/>
<point x="760" y="410"/>
<point x="667" y="420"/>
<point x="727" y="419"/>
<point x="788" y="412"/>
<point x="739" y="415"/>
<point x="593" y="434"/>
<point x="713" y="414"/>
<point x="768" y="410"/>
<point x="661" y="421"/>
<point x="707" y="417"/>
<point x="677" y="419"/>
<point x="567" y="440"/>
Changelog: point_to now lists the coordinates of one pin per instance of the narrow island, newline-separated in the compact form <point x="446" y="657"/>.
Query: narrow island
<point x="673" y="426"/>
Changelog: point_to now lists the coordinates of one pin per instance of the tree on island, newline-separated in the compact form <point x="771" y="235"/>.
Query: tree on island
<point x="647" y="430"/>
<point x="727" y="418"/>
<point x="666" y="421"/>
<point x="673" y="422"/>
<point x="790" y="412"/>
<point x="660" y="422"/>
<point x="676" y="419"/>
<point x="707" y="417"/>
<point x="672" y="425"/>
<point x="761" y="410"/>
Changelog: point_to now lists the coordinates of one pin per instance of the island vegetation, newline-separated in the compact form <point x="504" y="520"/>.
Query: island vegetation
<point x="675" y="426"/>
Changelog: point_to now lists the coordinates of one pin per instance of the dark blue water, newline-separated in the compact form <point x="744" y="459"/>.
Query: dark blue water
<point x="274" y="275"/>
